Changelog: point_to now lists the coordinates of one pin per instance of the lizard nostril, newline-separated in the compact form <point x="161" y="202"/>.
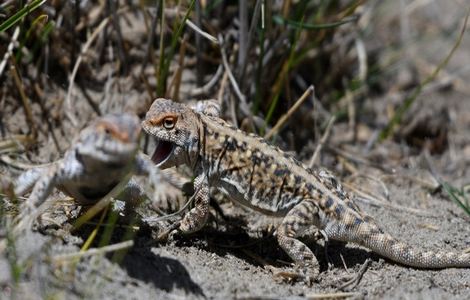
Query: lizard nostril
<point x="118" y="135"/>
<point x="125" y="138"/>
<point x="122" y="136"/>
<point x="153" y="122"/>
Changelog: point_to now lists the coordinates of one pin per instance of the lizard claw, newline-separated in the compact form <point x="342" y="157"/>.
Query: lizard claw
<point x="165" y="233"/>
<point x="308" y="272"/>
<point x="286" y="276"/>
<point x="28" y="214"/>
<point x="24" y="221"/>
<point x="303" y="273"/>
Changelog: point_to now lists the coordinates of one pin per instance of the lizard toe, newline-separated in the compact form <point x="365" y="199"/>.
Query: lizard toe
<point x="303" y="272"/>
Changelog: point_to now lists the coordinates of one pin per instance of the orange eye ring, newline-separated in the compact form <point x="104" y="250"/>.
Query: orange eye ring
<point x="169" y="123"/>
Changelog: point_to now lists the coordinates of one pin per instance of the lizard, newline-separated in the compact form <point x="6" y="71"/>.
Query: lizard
<point x="262" y="177"/>
<point x="104" y="154"/>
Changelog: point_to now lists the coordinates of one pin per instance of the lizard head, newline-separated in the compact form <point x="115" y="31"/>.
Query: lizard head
<point x="111" y="139"/>
<point x="174" y="127"/>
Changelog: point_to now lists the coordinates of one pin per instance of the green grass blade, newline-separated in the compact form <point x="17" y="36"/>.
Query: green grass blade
<point x="455" y="195"/>
<point x="18" y="16"/>
<point x="109" y="229"/>
<point x="161" y="81"/>
<point x="299" y="25"/>
<point x="39" y="21"/>
<point x="259" y="72"/>
<point x="174" y="42"/>
<point x="284" y="74"/>
<point x="47" y="31"/>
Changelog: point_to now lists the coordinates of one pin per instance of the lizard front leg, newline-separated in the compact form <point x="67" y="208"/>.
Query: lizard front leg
<point x="55" y="175"/>
<point x="26" y="181"/>
<point x="197" y="217"/>
<point x="30" y="210"/>
<point x="300" y="218"/>
<point x="168" y="184"/>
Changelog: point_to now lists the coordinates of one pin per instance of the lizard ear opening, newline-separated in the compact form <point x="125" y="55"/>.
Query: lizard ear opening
<point x="162" y="152"/>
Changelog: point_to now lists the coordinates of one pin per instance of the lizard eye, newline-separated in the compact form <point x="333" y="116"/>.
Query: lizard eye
<point x="105" y="128"/>
<point x="169" y="122"/>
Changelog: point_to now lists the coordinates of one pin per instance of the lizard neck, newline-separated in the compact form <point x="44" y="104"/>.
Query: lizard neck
<point x="196" y="148"/>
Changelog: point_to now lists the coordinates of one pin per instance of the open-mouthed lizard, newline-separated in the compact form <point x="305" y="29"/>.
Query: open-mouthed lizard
<point x="104" y="154"/>
<point x="263" y="177"/>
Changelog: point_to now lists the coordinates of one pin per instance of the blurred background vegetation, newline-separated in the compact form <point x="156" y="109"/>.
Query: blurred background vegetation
<point x="288" y="70"/>
<point x="67" y="60"/>
<point x="282" y="69"/>
<point x="360" y="86"/>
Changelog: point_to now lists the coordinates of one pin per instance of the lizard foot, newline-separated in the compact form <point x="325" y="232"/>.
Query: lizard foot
<point x="286" y="276"/>
<point x="299" y="273"/>
<point x="163" y="235"/>
<point x="24" y="221"/>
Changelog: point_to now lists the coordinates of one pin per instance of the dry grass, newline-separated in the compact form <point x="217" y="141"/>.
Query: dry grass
<point x="289" y="70"/>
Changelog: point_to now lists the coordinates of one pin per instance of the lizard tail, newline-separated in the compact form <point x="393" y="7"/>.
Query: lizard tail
<point x="387" y="246"/>
<point x="363" y="229"/>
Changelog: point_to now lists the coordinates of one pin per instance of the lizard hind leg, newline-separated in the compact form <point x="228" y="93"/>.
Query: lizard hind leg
<point x="295" y="223"/>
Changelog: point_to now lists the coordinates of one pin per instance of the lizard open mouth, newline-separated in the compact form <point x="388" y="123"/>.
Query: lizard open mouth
<point x="162" y="152"/>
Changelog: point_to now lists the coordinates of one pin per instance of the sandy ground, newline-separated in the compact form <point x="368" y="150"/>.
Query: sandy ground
<point x="235" y="258"/>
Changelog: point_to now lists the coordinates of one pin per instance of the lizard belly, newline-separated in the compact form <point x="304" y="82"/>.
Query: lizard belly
<point x="85" y="194"/>
<point x="239" y="193"/>
<point x="92" y="187"/>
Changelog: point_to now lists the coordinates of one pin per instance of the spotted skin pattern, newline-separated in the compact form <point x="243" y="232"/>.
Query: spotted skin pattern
<point x="102" y="156"/>
<point x="263" y="177"/>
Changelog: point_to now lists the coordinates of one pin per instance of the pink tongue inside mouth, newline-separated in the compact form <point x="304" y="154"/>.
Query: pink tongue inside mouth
<point x="162" y="151"/>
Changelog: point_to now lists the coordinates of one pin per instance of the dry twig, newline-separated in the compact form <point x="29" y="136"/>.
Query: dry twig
<point x="325" y="136"/>
<point x="339" y="295"/>
<point x="367" y="198"/>
<point x="94" y="251"/>
<point x="233" y="81"/>
<point x="10" y="48"/>
<point x="25" y="102"/>
<point x="283" y="119"/>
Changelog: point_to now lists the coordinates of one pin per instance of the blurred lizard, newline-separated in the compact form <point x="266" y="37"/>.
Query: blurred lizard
<point x="105" y="154"/>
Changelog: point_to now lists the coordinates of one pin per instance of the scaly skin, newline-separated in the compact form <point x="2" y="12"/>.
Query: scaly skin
<point x="266" y="179"/>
